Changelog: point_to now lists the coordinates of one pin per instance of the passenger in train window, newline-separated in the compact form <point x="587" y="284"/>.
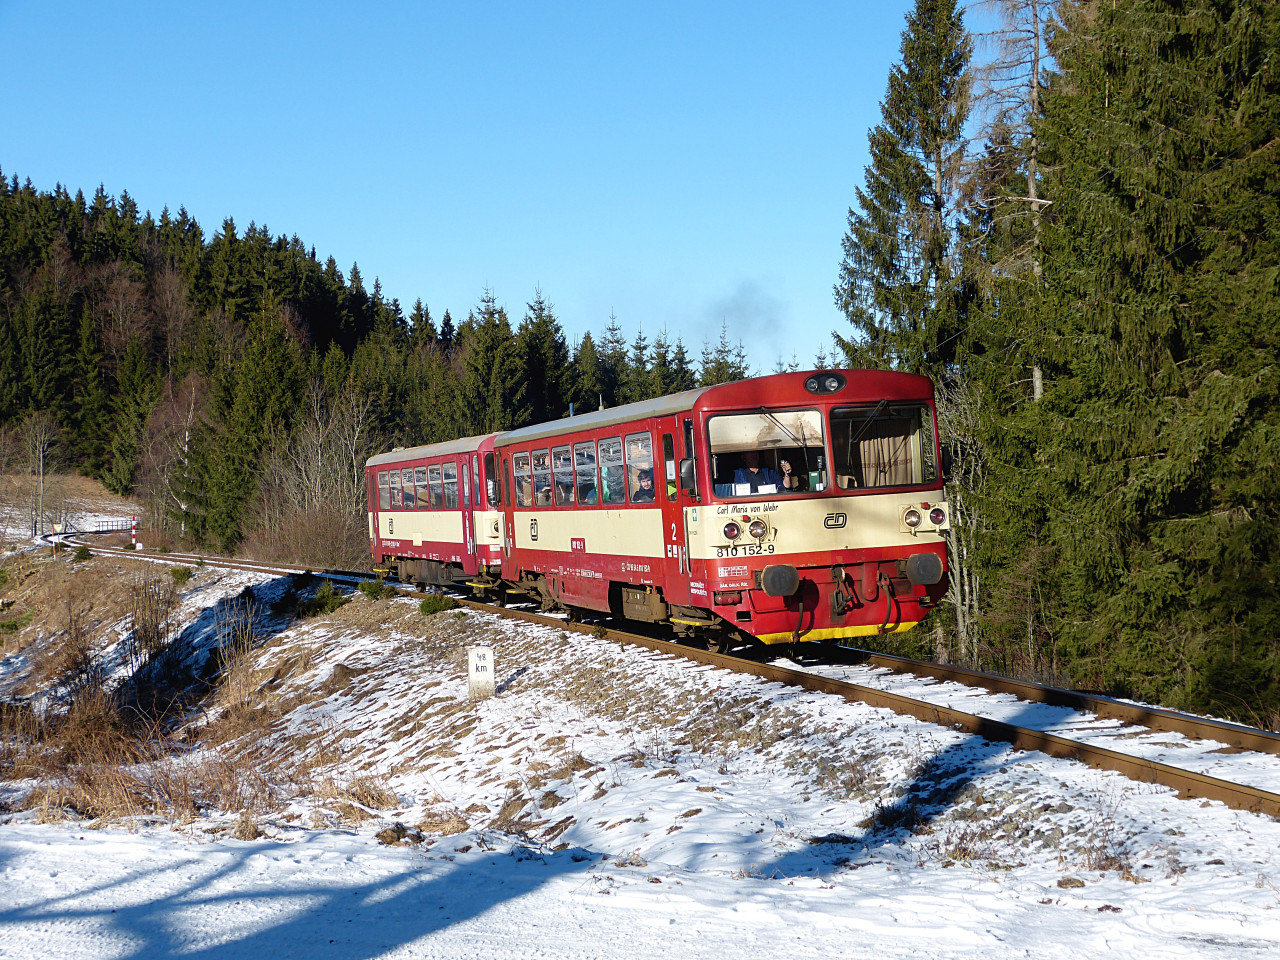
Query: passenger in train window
<point x="644" y="488"/>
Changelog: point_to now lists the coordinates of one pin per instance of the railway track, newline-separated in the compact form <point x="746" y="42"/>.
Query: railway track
<point x="1186" y="782"/>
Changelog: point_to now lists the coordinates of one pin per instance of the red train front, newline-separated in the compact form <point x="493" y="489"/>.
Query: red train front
<point x="790" y="507"/>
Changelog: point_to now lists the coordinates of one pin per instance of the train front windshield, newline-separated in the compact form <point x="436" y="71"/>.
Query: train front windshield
<point x="755" y="453"/>
<point x="883" y="445"/>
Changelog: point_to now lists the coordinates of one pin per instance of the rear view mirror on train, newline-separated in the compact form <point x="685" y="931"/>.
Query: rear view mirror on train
<point x="688" y="482"/>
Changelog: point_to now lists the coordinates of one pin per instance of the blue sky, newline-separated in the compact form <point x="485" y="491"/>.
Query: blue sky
<point x="675" y="164"/>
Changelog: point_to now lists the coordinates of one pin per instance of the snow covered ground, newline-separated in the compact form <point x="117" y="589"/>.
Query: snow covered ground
<point x="611" y="802"/>
<point x="1208" y="757"/>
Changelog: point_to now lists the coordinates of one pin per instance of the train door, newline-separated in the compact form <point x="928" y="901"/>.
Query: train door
<point x="371" y="497"/>
<point x="691" y="504"/>
<point x="675" y="564"/>
<point x="468" y="523"/>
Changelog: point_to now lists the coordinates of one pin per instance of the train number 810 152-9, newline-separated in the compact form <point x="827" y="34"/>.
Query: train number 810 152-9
<point x="746" y="550"/>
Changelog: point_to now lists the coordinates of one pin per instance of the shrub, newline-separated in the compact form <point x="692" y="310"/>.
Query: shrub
<point x="376" y="589"/>
<point x="17" y="623"/>
<point x="180" y="575"/>
<point x="325" y="601"/>
<point x="82" y="553"/>
<point x="4" y="577"/>
<point x="436" y="603"/>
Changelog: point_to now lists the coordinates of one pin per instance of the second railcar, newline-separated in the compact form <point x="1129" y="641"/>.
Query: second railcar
<point x="433" y="512"/>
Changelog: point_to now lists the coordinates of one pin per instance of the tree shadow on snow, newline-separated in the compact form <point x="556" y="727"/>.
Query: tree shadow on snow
<point x="940" y="782"/>
<point x="247" y="909"/>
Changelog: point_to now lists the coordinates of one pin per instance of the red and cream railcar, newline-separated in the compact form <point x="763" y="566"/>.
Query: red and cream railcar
<point x="433" y="514"/>
<point x="800" y="506"/>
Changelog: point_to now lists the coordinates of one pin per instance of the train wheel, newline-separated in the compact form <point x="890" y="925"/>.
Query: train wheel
<point x="718" y="643"/>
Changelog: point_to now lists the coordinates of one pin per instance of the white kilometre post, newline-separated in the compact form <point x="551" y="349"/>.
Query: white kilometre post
<point x="480" y="672"/>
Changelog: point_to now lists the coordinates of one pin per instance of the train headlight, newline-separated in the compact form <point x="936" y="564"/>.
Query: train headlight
<point x="937" y="516"/>
<point x="732" y="531"/>
<point x="758" y="529"/>
<point x="825" y="383"/>
<point x="912" y="518"/>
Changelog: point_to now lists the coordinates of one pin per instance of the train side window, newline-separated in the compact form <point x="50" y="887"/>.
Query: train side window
<point x="420" y="484"/>
<point x="688" y="439"/>
<point x="475" y="481"/>
<point x="562" y="476"/>
<point x="406" y="489"/>
<point x="466" y="486"/>
<point x="640" y="468"/>
<point x="395" y="490"/>
<point x="584" y="462"/>
<point x="524" y="480"/>
<point x="613" y="483"/>
<point x="451" y="486"/>
<point x="506" y="475"/>
<point x="669" y="466"/>
<point x="384" y="491"/>
<point x="542" y="478"/>
<point x="436" y="486"/>
<point x="491" y="482"/>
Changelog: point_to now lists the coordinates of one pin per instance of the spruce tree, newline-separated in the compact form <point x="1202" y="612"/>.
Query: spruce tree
<point x="1158" y="438"/>
<point x="586" y="387"/>
<point x="898" y="281"/>
<point x="491" y="387"/>
<point x="544" y="356"/>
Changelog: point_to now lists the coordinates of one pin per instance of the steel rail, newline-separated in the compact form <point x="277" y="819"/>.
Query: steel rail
<point x="1234" y="735"/>
<point x="1185" y="783"/>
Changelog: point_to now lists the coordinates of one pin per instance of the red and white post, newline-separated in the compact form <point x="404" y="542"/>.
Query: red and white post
<point x="133" y="534"/>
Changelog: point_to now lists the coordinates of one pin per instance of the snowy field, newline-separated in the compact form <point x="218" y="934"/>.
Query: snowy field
<point x="613" y="803"/>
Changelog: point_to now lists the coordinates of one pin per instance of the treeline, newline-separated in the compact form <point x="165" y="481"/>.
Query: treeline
<point x="1093" y="283"/>
<point x="236" y="383"/>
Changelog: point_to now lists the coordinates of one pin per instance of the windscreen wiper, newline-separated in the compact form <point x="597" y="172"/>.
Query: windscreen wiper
<point x="799" y="442"/>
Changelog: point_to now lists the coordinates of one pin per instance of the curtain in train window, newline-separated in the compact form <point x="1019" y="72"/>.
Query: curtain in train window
<point x="420" y="485"/>
<point x="883" y="446"/>
<point x="613" y="481"/>
<point x="640" y="468"/>
<point x="562" y="476"/>
<point x="451" y="486"/>
<point x="395" y="490"/>
<point x="384" y="491"/>
<point x="584" y="458"/>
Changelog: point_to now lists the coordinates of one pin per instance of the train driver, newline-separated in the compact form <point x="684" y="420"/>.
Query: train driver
<point x="754" y="476"/>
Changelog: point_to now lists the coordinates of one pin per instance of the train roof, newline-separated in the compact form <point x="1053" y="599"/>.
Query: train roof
<point x="443" y="449"/>
<point x="657" y="407"/>
<point x="862" y="384"/>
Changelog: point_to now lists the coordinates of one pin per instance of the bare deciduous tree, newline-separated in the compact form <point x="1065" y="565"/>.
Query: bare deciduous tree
<point x="41" y="440"/>
<point x="311" y="502"/>
<point x="958" y="409"/>
<point x="173" y="313"/>
<point x="120" y="307"/>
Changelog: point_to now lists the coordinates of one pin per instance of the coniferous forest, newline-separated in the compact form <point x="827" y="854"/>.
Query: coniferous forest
<point x="1071" y="222"/>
